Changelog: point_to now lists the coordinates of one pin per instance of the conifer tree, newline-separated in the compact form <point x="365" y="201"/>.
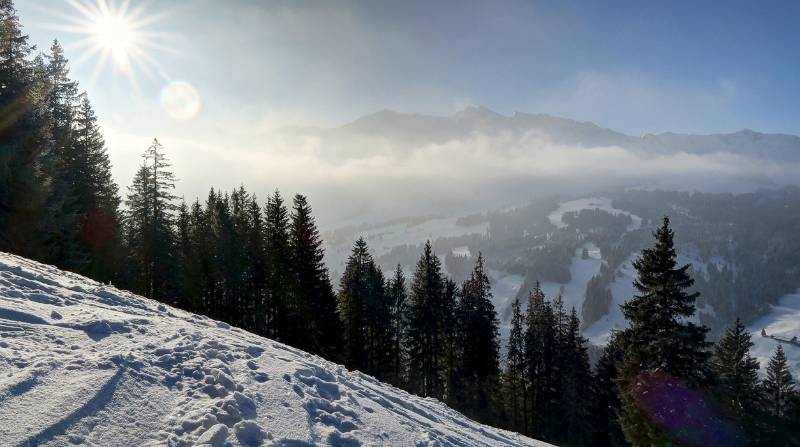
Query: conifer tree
<point x="398" y="297"/>
<point x="276" y="239"/>
<point x="514" y="376"/>
<point x="606" y="430"/>
<point x="150" y="220"/>
<point x="63" y="166"/>
<point x="427" y="327"/>
<point x="576" y="398"/>
<point x="256" y="268"/>
<point x="540" y="343"/>
<point x="316" y="325"/>
<point x="659" y="337"/>
<point x="778" y="387"/>
<point x="477" y="340"/>
<point x="24" y="139"/>
<point x="736" y="372"/>
<point x="97" y="196"/>
<point x="352" y="302"/>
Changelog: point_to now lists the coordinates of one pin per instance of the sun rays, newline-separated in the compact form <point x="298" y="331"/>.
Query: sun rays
<point x="114" y="34"/>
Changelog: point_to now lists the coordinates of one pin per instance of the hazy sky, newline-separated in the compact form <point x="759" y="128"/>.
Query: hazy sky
<point x="633" y="66"/>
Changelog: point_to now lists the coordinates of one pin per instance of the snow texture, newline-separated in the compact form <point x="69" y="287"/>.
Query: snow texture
<point x="82" y="363"/>
<point x="783" y="322"/>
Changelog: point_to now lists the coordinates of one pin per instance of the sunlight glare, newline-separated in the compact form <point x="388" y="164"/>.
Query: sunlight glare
<point x="115" y="34"/>
<point x="115" y="31"/>
<point x="180" y="100"/>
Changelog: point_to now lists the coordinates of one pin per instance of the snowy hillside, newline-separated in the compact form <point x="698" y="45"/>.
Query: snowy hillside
<point x="782" y="322"/>
<point x="83" y="363"/>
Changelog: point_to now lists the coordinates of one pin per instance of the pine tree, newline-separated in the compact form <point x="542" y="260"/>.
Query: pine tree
<point x="778" y="387"/>
<point x="606" y="430"/>
<point x="736" y="372"/>
<point x="97" y="196"/>
<point x="427" y="327"/>
<point x="63" y="165"/>
<point x="398" y="297"/>
<point x="540" y="344"/>
<point x="24" y="139"/>
<point x="659" y="337"/>
<point x="514" y="377"/>
<point x="276" y="235"/>
<point x="256" y="268"/>
<point x="312" y="300"/>
<point x="576" y="399"/>
<point x="352" y="301"/>
<point x="149" y="224"/>
<point x="477" y="341"/>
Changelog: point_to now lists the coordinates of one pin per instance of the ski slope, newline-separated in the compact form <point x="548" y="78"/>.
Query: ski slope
<point x="86" y="364"/>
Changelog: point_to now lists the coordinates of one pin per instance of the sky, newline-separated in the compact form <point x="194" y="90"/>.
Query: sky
<point x="253" y="66"/>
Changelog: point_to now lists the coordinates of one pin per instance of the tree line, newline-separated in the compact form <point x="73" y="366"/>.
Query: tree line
<point x="260" y="266"/>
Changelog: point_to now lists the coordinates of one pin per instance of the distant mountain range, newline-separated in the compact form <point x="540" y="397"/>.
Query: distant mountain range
<point x="409" y="128"/>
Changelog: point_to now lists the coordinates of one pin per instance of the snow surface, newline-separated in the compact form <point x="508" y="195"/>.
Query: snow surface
<point x="84" y="363"/>
<point x="782" y="321"/>
<point x="581" y="271"/>
<point x="590" y="203"/>
<point x="621" y="290"/>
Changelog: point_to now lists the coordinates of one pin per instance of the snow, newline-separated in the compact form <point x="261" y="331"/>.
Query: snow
<point x="84" y="363"/>
<point x="462" y="251"/>
<point x="621" y="290"/>
<point x="782" y="321"/>
<point x="590" y="203"/>
<point x="581" y="271"/>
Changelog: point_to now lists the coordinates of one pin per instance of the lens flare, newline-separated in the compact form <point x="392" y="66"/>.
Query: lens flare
<point x="180" y="100"/>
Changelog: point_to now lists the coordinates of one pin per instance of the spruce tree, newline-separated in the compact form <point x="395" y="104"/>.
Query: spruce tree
<point x="576" y="398"/>
<point x="256" y="268"/>
<point x="352" y="301"/>
<point x="427" y="327"/>
<point x="63" y="165"/>
<point x="659" y="337"/>
<point x="97" y="196"/>
<point x="24" y="139"/>
<point x="398" y="298"/>
<point x="540" y="346"/>
<point x="276" y="239"/>
<point x="477" y="340"/>
<point x="316" y="325"/>
<point x="778" y="387"/>
<point x="606" y="430"/>
<point x="514" y="377"/>
<point x="149" y="224"/>
<point x="736" y="372"/>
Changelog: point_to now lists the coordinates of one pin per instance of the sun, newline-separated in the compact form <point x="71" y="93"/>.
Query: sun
<point x="116" y="34"/>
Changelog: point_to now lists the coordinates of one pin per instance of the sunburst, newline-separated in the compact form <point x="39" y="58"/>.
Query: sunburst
<point x="114" y="34"/>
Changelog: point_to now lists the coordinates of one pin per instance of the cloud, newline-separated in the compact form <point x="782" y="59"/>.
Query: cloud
<point x="374" y="177"/>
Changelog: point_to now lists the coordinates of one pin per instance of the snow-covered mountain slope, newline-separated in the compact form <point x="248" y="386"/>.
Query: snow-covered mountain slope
<point x="781" y="325"/>
<point x="82" y="363"/>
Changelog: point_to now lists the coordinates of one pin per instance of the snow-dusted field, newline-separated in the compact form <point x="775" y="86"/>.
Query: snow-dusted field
<point x="86" y="364"/>
<point x="621" y="290"/>
<point x="782" y="321"/>
<point x="590" y="203"/>
<point x="581" y="271"/>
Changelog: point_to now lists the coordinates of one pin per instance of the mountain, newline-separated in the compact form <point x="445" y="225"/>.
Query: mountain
<point x="473" y="120"/>
<point x="85" y="363"/>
